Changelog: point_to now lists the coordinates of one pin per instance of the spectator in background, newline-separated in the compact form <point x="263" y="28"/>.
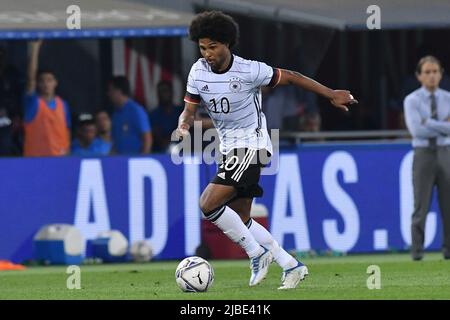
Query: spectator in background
<point x="11" y="90"/>
<point x="47" y="116"/>
<point x="7" y="147"/>
<point x="10" y="84"/>
<point x="409" y="83"/>
<point x="311" y="122"/>
<point x="131" y="131"/>
<point x="278" y="105"/>
<point x="427" y="112"/>
<point x="103" y="123"/>
<point x="164" y="118"/>
<point x="86" y="143"/>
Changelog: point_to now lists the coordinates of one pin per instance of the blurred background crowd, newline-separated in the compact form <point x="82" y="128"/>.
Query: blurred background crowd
<point x="124" y="95"/>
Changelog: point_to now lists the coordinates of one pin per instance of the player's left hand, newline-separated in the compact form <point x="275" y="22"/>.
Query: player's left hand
<point x="342" y="99"/>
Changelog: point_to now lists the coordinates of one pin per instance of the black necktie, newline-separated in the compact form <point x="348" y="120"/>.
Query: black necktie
<point x="433" y="116"/>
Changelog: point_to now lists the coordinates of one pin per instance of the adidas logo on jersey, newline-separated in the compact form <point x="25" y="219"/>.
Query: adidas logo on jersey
<point x="205" y="88"/>
<point x="221" y="175"/>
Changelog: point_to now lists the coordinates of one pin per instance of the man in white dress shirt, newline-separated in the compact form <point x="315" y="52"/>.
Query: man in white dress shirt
<point x="427" y="115"/>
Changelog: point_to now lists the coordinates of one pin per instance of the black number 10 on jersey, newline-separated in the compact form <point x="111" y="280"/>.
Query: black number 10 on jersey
<point x="224" y="105"/>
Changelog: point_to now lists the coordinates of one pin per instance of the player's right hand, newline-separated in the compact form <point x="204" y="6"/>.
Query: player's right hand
<point x="342" y="99"/>
<point x="182" y="131"/>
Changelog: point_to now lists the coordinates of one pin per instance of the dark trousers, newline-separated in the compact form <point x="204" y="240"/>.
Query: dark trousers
<point x="431" y="167"/>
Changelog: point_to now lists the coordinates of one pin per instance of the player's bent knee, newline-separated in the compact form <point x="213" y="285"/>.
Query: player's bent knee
<point x="205" y="209"/>
<point x="214" y="214"/>
<point x="205" y="204"/>
<point x="209" y="201"/>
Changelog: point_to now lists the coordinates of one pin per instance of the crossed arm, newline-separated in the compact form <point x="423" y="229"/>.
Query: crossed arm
<point x="420" y="127"/>
<point x="443" y="127"/>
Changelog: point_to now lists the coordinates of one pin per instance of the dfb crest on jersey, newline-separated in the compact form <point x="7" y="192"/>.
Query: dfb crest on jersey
<point x="235" y="84"/>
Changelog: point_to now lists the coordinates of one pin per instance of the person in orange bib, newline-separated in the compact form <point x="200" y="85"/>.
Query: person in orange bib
<point x="47" y="117"/>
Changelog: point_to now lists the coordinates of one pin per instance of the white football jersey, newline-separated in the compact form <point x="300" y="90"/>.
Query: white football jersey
<point x="232" y="99"/>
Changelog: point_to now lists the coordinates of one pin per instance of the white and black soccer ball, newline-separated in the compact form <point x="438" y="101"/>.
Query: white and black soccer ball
<point x="194" y="274"/>
<point x="141" y="251"/>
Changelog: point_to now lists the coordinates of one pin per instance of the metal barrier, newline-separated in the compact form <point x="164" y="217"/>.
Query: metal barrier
<point x="298" y="137"/>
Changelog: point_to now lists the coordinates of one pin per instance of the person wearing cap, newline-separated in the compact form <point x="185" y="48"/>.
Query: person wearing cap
<point x="86" y="143"/>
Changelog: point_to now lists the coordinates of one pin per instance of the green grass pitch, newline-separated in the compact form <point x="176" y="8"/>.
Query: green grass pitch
<point x="330" y="278"/>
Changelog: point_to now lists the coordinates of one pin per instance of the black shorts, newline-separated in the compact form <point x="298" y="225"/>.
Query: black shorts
<point x="241" y="168"/>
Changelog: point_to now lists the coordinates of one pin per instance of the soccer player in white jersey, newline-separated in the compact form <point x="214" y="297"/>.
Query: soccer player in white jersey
<point x="230" y="89"/>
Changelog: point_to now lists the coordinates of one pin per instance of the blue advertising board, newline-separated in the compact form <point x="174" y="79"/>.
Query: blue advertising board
<point x="347" y="198"/>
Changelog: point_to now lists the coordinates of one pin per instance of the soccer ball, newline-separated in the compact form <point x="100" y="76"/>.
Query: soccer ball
<point x="194" y="274"/>
<point x="141" y="251"/>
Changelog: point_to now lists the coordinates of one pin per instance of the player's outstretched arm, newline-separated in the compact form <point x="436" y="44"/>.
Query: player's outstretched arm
<point x="186" y="119"/>
<point x="338" y="98"/>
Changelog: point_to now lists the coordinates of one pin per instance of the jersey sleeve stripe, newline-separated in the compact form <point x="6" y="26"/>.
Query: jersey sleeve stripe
<point x="275" y="78"/>
<point x="192" y="98"/>
<point x="190" y="101"/>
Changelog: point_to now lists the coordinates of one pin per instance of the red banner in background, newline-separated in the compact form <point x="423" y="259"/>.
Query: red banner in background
<point x="145" y="62"/>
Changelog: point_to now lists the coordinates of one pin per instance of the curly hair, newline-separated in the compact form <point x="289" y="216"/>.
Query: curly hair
<point x="216" y="26"/>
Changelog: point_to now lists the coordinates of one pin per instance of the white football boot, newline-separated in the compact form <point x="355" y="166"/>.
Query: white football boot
<point x="260" y="266"/>
<point x="291" y="277"/>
